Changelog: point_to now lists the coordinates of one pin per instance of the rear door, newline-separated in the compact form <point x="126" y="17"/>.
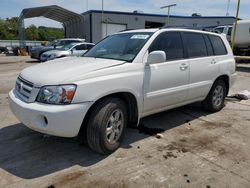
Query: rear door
<point x="203" y="65"/>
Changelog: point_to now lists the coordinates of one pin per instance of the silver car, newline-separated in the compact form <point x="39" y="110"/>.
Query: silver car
<point x="36" y="52"/>
<point x="73" y="49"/>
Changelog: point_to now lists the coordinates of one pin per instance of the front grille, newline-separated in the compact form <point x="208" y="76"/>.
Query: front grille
<point x="24" y="88"/>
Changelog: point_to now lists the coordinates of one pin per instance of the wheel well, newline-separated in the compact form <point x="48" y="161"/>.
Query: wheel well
<point x="225" y="78"/>
<point x="131" y="105"/>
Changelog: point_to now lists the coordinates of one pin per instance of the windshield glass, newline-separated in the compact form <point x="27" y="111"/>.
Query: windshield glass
<point x="68" y="46"/>
<point x="57" y="43"/>
<point x="123" y="46"/>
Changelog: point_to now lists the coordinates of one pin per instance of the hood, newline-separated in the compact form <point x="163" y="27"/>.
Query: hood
<point x="60" y="71"/>
<point x="56" y="52"/>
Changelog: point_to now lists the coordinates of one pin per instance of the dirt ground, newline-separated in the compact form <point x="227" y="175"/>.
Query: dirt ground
<point x="198" y="149"/>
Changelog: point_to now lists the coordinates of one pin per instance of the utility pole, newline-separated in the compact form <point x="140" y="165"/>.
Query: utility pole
<point x="235" y="24"/>
<point x="168" y="7"/>
<point x="228" y="5"/>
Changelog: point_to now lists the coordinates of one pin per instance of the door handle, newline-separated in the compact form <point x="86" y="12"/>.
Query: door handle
<point x="213" y="61"/>
<point x="183" y="66"/>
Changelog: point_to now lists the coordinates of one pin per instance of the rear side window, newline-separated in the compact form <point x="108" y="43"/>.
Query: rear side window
<point x="229" y="32"/>
<point x="196" y="45"/>
<point x="210" y="51"/>
<point x="81" y="47"/>
<point x="218" y="45"/>
<point x="170" y="43"/>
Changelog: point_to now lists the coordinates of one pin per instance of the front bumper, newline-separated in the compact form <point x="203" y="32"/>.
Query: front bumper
<point x="57" y="120"/>
<point x="34" y="55"/>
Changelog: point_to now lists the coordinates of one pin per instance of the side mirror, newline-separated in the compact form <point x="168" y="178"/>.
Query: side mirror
<point x="156" y="57"/>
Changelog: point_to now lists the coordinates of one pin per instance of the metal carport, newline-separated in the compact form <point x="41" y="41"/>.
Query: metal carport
<point x="73" y="23"/>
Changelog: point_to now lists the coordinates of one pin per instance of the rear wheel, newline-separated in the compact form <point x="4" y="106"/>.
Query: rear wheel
<point x="106" y="125"/>
<point x="214" y="102"/>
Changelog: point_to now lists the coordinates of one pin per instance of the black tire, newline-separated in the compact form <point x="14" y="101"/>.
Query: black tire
<point x="100" y="121"/>
<point x="210" y="103"/>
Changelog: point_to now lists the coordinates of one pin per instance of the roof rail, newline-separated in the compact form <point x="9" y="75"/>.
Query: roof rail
<point x="184" y="27"/>
<point x="126" y="30"/>
<point x="176" y="26"/>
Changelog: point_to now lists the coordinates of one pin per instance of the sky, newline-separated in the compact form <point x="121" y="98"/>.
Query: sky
<point x="11" y="8"/>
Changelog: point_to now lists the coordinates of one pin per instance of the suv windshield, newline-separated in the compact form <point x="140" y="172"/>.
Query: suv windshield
<point x="123" y="46"/>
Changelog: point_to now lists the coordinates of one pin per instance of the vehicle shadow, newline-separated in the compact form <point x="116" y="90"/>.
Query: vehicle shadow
<point x="28" y="154"/>
<point x="33" y="61"/>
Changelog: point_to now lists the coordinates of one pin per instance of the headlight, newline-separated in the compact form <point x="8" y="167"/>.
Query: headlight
<point x="62" y="94"/>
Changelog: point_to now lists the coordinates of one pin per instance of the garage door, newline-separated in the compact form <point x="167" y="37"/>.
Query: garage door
<point x="108" y="29"/>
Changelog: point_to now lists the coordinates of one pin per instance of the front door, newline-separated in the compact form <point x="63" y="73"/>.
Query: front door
<point x="166" y="84"/>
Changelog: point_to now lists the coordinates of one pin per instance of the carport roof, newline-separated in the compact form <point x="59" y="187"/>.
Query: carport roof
<point x="53" y="12"/>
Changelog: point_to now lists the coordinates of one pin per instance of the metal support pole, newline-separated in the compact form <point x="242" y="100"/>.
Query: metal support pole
<point x="21" y="31"/>
<point x="106" y="27"/>
<point x="235" y="24"/>
<point x="102" y="10"/>
<point x="168" y="14"/>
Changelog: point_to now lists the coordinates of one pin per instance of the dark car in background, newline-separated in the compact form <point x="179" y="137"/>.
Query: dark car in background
<point x="3" y="49"/>
<point x="36" y="52"/>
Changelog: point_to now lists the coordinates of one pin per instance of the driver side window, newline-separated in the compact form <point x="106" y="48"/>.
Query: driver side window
<point x="81" y="47"/>
<point x="170" y="43"/>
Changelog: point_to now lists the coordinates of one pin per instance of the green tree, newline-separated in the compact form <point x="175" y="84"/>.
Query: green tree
<point x="31" y="33"/>
<point x="8" y="28"/>
<point x="9" y="31"/>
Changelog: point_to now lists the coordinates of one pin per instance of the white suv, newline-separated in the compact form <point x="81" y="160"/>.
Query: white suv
<point x="124" y="78"/>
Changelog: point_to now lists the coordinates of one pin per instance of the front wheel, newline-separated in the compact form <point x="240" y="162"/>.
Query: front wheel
<point x="106" y="125"/>
<point x="214" y="102"/>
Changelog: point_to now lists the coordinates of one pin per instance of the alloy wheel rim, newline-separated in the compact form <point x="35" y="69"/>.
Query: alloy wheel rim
<point x="218" y="96"/>
<point x="114" y="126"/>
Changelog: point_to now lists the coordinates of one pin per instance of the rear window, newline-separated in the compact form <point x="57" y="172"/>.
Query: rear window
<point x="218" y="45"/>
<point x="196" y="45"/>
